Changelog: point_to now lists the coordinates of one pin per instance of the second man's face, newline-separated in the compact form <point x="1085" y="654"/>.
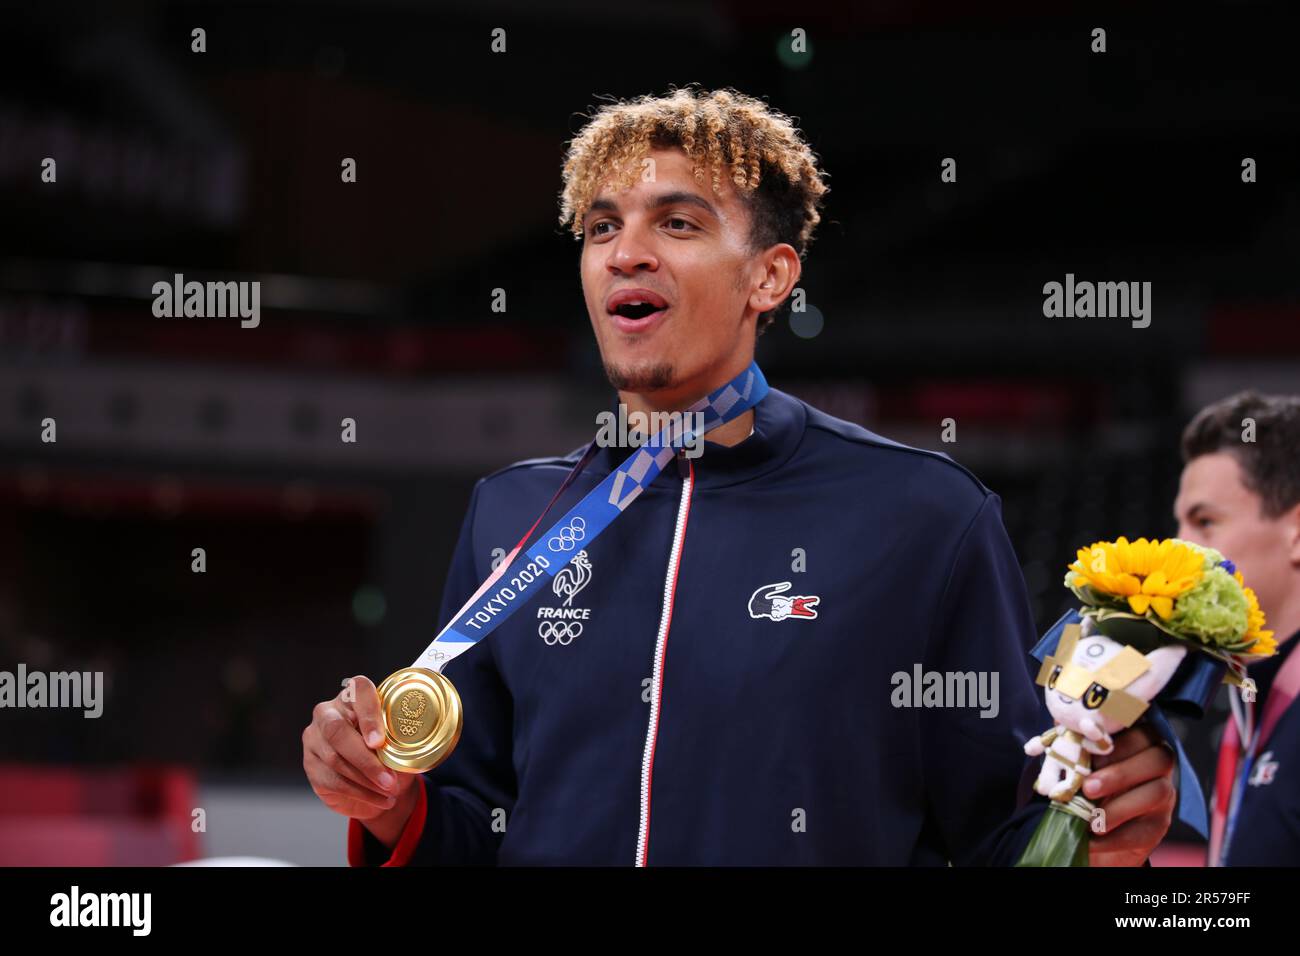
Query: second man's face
<point x="1215" y="509"/>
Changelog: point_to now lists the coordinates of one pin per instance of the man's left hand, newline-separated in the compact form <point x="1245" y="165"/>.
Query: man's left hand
<point x="1134" y="785"/>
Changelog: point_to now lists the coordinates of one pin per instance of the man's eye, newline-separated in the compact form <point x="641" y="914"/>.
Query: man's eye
<point x="595" y="229"/>
<point x="687" y="223"/>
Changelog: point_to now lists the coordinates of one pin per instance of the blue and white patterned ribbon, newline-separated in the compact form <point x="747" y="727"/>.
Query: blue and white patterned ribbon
<point x="494" y="601"/>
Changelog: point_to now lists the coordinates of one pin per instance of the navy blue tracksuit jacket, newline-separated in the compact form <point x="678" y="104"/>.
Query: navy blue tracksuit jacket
<point x="1267" y="831"/>
<point x="776" y="738"/>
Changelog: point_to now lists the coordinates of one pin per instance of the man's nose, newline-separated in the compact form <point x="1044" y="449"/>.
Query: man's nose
<point x="631" y="251"/>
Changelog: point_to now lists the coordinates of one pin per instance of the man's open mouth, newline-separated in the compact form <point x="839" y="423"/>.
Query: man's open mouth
<point x="636" y="310"/>
<point x="635" y="303"/>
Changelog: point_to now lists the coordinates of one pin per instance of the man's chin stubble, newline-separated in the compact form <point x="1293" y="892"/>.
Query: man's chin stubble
<point x="649" y="378"/>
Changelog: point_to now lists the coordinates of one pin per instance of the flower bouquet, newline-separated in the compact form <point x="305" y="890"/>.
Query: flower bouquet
<point x="1145" y="606"/>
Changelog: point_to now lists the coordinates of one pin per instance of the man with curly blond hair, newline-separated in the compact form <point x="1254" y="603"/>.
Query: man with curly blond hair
<point x="720" y="678"/>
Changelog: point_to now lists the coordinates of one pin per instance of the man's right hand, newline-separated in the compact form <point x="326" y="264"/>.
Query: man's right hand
<point x="338" y="753"/>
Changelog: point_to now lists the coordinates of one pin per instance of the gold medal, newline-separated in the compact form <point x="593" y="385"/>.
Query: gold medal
<point x="422" y="719"/>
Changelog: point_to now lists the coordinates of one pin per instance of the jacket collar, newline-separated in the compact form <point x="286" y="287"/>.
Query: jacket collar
<point x="1265" y="671"/>
<point x="779" y="422"/>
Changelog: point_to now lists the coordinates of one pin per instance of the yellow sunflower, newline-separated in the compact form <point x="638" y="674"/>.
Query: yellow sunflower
<point x="1145" y="574"/>
<point x="1264" y="644"/>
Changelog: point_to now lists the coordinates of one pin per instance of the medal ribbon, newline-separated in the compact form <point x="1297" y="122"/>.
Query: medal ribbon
<point x="1229" y="784"/>
<point x="493" y="603"/>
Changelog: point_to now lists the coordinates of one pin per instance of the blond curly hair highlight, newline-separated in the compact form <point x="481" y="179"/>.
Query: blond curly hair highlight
<point x="723" y="132"/>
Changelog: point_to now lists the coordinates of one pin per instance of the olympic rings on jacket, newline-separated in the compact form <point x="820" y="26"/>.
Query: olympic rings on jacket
<point x="562" y="631"/>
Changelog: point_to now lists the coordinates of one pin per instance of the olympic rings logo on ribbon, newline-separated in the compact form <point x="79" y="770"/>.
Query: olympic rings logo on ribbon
<point x="562" y="631"/>
<point x="567" y="538"/>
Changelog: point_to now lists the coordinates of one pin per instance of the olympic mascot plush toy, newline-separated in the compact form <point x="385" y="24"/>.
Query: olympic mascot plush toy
<point x="1095" y="687"/>
<point x="1145" y="607"/>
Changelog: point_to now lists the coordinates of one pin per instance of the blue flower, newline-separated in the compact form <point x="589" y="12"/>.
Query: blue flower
<point x="1228" y="565"/>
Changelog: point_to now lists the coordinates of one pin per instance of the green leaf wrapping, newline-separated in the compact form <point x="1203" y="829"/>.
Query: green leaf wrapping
<point x="1060" y="839"/>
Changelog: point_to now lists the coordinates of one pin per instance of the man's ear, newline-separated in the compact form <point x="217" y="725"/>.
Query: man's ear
<point x="781" y="273"/>
<point x="1291" y="520"/>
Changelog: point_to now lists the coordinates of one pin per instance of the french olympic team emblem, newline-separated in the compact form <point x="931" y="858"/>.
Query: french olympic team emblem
<point x="768" y="602"/>
<point x="560" y="625"/>
<point x="561" y="632"/>
<point x="1265" y="771"/>
<point x="572" y="578"/>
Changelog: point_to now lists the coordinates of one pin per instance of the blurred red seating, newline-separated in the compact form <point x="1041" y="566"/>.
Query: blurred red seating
<point x="67" y="816"/>
<point x="1179" y="854"/>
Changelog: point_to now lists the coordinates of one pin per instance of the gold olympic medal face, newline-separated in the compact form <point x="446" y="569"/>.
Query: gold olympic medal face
<point x="422" y="719"/>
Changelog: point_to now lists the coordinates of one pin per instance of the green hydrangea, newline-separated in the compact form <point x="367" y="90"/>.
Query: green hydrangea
<point x="1212" y="557"/>
<point x="1214" y="611"/>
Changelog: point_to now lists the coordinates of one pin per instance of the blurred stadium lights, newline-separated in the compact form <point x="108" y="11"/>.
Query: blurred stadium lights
<point x="135" y="282"/>
<point x="448" y="426"/>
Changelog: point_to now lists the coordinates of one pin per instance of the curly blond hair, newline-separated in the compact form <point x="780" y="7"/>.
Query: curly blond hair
<point x="722" y="132"/>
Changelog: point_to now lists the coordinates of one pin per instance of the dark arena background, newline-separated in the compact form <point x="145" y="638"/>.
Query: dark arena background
<point x="326" y="558"/>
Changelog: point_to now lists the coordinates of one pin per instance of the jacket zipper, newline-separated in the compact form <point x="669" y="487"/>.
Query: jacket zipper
<point x="661" y="646"/>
